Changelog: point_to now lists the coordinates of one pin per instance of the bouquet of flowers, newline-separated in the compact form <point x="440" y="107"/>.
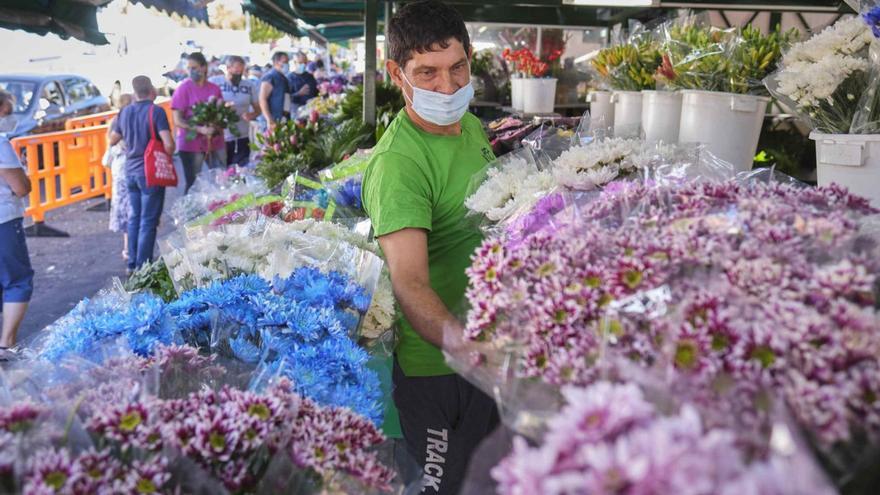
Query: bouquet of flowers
<point x="696" y="56"/>
<point x="525" y="63"/>
<point x="680" y="278"/>
<point x="827" y="79"/>
<point x="629" y="67"/>
<point x="611" y="439"/>
<point x="304" y="320"/>
<point x="187" y="434"/>
<point x="213" y="113"/>
<point x="272" y="248"/>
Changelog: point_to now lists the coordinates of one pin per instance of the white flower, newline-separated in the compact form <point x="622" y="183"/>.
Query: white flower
<point x="587" y="167"/>
<point x="846" y="37"/>
<point x="808" y="84"/>
<point x="277" y="250"/>
<point x="510" y="188"/>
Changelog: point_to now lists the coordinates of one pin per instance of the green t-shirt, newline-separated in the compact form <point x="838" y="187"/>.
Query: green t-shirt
<point x="419" y="180"/>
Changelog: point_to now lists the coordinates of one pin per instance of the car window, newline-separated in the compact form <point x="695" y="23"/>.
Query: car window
<point x="23" y="91"/>
<point x="93" y="91"/>
<point x="77" y="90"/>
<point x="52" y="95"/>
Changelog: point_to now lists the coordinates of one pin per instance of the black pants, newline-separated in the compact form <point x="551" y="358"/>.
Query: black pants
<point x="238" y="152"/>
<point x="444" y="419"/>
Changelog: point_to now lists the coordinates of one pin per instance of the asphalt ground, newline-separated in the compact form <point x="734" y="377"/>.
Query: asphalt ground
<point x="69" y="269"/>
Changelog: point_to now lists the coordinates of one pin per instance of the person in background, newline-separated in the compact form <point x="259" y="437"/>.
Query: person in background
<point x="273" y="87"/>
<point x="16" y="274"/>
<point x="208" y="145"/>
<point x="120" y="206"/>
<point x="413" y="191"/>
<point x="319" y="71"/>
<point x="242" y="94"/>
<point x="303" y="86"/>
<point x="255" y="73"/>
<point x="133" y="126"/>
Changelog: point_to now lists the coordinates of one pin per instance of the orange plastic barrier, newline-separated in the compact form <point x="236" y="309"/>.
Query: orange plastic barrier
<point x="104" y="118"/>
<point x="64" y="168"/>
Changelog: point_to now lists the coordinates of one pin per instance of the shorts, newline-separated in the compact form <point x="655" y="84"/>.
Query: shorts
<point x="16" y="274"/>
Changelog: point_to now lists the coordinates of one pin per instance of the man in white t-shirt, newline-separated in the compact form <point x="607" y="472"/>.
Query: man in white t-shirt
<point x="244" y="95"/>
<point x="16" y="274"/>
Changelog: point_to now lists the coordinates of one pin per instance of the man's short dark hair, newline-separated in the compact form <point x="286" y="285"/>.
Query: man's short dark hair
<point x="198" y="58"/>
<point x="142" y="86"/>
<point x="420" y="26"/>
<point x="235" y="59"/>
<point x="278" y="55"/>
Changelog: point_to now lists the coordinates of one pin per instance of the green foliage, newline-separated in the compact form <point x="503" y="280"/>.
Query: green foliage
<point x="629" y="67"/>
<point x="313" y="147"/>
<point x="389" y="101"/>
<point x="153" y="277"/>
<point x="262" y="32"/>
<point x="214" y="113"/>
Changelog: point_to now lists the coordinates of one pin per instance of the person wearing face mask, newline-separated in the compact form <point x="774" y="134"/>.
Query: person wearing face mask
<point x="273" y="88"/>
<point x="303" y="86"/>
<point x="413" y="190"/>
<point x="208" y="145"/>
<point x="242" y="93"/>
<point x="16" y="274"/>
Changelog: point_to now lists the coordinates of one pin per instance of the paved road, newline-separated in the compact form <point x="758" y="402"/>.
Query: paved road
<point x="69" y="269"/>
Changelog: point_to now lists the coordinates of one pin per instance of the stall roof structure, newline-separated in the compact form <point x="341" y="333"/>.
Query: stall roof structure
<point x="66" y="18"/>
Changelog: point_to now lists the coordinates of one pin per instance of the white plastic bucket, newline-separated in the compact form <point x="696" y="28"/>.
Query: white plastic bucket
<point x="851" y="160"/>
<point x="516" y="93"/>
<point x="601" y="109"/>
<point x="728" y="124"/>
<point x="627" y="113"/>
<point x="539" y="95"/>
<point x="661" y="115"/>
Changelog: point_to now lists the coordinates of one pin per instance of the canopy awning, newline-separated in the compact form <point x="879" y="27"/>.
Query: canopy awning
<point x="66" y="18"/>
<point x="196" y="10"/>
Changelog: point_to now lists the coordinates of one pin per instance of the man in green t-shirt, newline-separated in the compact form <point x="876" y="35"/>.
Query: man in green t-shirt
<point x="414" y="190"/>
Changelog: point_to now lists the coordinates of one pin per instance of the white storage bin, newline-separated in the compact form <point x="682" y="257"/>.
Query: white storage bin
<point x="728" y="124"/>
<point x="627" y="113"/>
<point x="851" y="160"/>
<point x="661" y="115"/>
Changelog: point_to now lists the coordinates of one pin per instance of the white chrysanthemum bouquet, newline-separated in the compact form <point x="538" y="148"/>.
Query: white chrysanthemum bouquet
<point x="830" y="79"/>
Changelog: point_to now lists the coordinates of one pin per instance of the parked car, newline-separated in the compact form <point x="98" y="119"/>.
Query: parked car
<point x="45" y="103"/>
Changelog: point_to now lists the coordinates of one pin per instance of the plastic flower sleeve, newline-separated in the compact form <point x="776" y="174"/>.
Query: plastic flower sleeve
<point x="306" y="198"/>
<point x="629" y="64"/>
<point x="551" y="138"/>
<point x="867" y="117"/>
<point x="823" y="79"/>
<point x="506" y="185"/>
<point x="695" y="55"/>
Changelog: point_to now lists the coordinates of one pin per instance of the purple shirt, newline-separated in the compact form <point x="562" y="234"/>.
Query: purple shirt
<point x="187" y="95"/>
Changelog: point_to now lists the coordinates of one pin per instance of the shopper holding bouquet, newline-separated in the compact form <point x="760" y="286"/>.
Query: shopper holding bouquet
<point x="198" y="142"/>
<point x="414" y="190"/>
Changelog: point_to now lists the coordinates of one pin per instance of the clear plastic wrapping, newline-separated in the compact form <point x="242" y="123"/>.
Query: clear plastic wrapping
<point x="675" y="274"/>
<point x="630" y="64"/>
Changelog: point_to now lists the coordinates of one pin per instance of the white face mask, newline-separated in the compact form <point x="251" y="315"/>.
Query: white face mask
<point x="8" y="123"/>
<point x="438" y="108"/>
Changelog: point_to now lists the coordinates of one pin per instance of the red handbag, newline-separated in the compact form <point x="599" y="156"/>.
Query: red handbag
<point x="158" y="164"/>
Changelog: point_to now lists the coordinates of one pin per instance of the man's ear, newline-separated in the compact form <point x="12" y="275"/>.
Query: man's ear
<point x="394" y="70"/>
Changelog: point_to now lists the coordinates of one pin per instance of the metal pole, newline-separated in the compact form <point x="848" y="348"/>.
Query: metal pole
<point x="370" y="27"/>
<point x="388" y="12"/>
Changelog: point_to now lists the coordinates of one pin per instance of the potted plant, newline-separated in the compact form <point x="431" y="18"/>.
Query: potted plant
<point x="831" y="82"/>
<point x="719" y="73"/>
<point x="629" y="69"/>
<point x="531" y="93"/>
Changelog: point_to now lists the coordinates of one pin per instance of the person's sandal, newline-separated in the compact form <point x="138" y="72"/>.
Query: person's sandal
<point x="8" y="354"/>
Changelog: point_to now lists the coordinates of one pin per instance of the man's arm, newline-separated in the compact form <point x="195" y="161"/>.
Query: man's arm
<point x="406" y="252"/>
<point x="167" y="140"/>
<point x="265" y="91"/>
<point x="17" y="179"/>
<point x="115" y="137"/>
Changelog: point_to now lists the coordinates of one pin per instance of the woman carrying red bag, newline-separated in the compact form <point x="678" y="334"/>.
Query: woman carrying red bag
<point x="138" y="124"/>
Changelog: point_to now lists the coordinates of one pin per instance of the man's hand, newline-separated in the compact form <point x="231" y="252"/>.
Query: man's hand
<point x="271" y="125"/>
<point x="406" y="252"/>
<point x="303" y="91"/>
